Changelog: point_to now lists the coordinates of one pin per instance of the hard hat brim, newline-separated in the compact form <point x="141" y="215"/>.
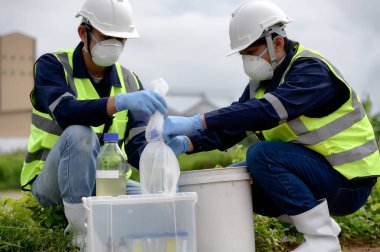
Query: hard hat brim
<point x="238" y="49"/>
<point x="126" y="35"/>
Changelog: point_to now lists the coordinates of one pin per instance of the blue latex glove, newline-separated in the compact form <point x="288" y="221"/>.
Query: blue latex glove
<point x="143" y="101"/>
<point x="180" y="125"/>
<point x="178" y="144"/>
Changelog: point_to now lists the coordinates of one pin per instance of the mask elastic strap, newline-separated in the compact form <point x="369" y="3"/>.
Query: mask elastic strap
<point x="262" y="53"/>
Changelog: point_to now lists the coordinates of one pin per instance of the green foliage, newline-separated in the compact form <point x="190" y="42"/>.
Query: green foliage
<point x="204" y="160"/>
<point x="24" y="226"/>
<point x="239" y="153"/>
<point x="367" y="104"/>
<point x="272" y="235"/>
<point x="363" y="226"/>
<point x="10" y="169"/>
<point x="375" y="119"/>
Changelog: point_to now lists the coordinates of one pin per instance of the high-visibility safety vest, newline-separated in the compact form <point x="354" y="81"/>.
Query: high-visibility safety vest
<point x="345" y="137"/>
<point x="45" y="132"/>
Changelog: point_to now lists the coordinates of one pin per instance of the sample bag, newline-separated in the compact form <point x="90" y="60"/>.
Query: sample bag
<point x="159" y="168"/>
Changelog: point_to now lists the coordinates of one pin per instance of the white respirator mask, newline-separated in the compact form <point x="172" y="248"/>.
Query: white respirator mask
<point x="256" y="67"/>
<point x="105" y="53"/>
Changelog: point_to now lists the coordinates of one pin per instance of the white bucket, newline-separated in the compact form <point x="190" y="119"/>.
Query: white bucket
<point x="224" y="214"/>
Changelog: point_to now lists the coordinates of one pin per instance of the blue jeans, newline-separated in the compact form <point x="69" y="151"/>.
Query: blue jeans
<point x="69" y="170"/>
<point x="290" y="179"/>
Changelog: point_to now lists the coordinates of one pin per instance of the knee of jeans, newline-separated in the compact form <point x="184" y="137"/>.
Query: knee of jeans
<point x="82" y="138"/>
<point x="256" y="154"/>
<point x="43" y="200"/>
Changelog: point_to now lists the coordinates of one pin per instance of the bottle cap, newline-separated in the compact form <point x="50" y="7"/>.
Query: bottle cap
<point x="110" y="137"/>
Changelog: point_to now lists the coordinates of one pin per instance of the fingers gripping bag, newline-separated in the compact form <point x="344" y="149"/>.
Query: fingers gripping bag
<point x="159" y="168"/>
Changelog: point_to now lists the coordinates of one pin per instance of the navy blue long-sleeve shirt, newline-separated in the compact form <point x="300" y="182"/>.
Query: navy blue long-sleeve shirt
<point x="50" y="83"/>
<point x="309" y="89"/>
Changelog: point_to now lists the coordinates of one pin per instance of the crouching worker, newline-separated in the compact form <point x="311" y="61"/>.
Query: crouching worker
<point x="318" y="155"/>
<point x="79" y="95"/>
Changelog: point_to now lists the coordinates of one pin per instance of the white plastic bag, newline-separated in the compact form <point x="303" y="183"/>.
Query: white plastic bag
<point x="159" y="168"/>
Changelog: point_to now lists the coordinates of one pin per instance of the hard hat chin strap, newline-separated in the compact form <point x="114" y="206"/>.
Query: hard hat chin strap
<point x="272" y="55"/>
<point x="278" y="29"/>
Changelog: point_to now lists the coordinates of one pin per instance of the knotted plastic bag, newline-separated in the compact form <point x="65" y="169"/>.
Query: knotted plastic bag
<point x="159" y="168"/>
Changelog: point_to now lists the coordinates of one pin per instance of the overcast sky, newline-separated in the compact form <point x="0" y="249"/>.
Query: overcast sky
<point x="185" y="41"/>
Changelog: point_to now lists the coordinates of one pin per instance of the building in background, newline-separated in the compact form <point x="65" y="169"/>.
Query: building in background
<point x="17" y="56"/>
<point x="202" y="106"/>
<point x="189" y="103"/>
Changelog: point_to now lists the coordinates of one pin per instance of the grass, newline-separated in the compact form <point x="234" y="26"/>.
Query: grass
<point x="25" y="226"/>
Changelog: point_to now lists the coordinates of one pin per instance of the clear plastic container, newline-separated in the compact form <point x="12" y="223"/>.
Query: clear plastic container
<point x="111" y="168"/>
<point x="142" y="223"/>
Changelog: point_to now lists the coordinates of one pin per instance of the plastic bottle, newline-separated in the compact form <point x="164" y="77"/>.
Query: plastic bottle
<point x="111" y="168"/>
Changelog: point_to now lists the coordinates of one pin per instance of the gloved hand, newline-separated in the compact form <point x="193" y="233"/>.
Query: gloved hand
<point x="180" y="125"/>
<point x="144" y="101"/>
<point x="178" y="144"/>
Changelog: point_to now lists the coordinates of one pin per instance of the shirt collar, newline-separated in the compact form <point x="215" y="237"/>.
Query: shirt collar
<point x="80" y="70"/>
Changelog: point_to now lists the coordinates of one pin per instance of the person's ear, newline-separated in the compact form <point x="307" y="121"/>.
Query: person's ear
<point x="278" y="43"/>
<point x="82" y="33"/>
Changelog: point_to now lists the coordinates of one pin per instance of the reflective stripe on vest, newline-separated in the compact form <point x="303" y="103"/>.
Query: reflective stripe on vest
<point x="345" y="137"/>
<point x="45" y="132"/>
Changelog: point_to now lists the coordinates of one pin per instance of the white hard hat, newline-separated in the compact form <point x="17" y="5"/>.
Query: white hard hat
<point x="251" y="19"/>
<point x="111" y="17"/>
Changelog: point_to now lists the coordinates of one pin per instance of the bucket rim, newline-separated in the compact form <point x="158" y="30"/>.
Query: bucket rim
<point x="214" y="175"/>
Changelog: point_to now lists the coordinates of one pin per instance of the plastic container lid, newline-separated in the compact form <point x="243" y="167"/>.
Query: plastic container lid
<point x="139" y="198"/>
<point x="110" y="137"/>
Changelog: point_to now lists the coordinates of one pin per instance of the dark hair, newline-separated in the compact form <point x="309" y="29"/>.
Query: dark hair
<point x="86" y="25"/>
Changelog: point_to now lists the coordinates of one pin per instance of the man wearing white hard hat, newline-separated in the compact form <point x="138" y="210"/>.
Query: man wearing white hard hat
<point x="318" y="154"/>
<point x="79" y="95"/>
